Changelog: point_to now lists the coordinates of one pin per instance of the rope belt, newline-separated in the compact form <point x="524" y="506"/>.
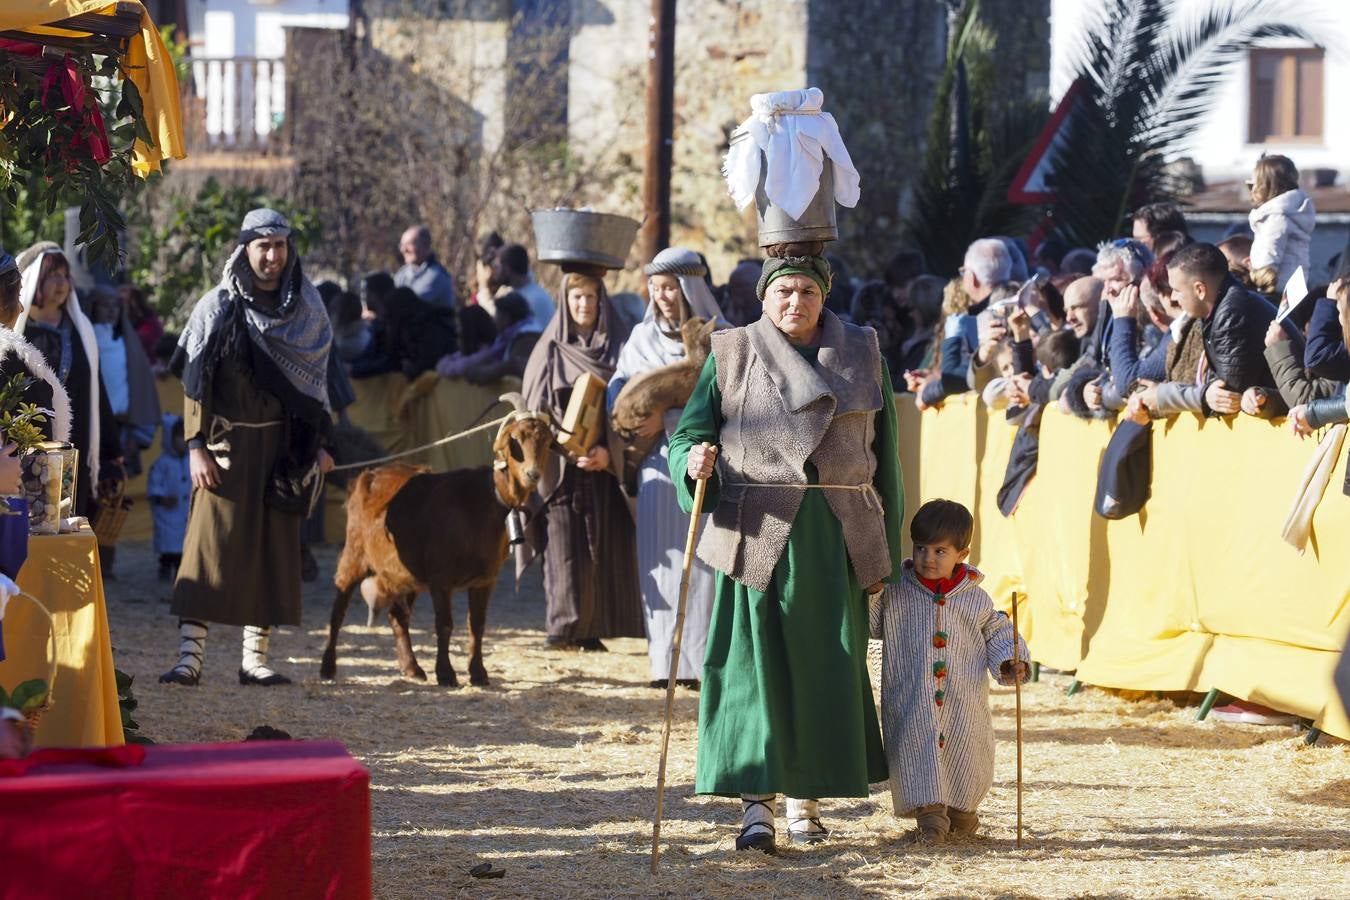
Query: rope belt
<point x="220" y="426"/>
<point x="402" y="453"/>
<point x="871" y="498"/>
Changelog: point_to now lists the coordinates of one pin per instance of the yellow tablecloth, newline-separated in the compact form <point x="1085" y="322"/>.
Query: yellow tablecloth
<point x="62" y="571"/>
<point x="147" y="64"/>
<point x="1197" y="592"/>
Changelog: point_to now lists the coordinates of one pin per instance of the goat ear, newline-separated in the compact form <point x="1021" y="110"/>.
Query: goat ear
<point x="516" y="400"/>
<point x="709" y="328"/>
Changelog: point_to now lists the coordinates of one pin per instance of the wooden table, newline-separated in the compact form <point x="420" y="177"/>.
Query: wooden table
<point x="62" y="571"/>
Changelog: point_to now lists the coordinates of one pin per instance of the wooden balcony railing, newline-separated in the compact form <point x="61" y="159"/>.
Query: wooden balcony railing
<point x="235" y="104"/>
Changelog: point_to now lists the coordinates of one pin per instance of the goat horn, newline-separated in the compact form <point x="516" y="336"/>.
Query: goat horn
<point x="515" y="399"/>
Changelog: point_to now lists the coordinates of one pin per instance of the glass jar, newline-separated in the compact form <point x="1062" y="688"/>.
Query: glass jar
<point x="40" y="478"/>
<point x="70" y="472"/>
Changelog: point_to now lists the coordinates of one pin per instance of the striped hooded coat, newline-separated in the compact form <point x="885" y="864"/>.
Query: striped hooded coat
<point x="938" y="653"/>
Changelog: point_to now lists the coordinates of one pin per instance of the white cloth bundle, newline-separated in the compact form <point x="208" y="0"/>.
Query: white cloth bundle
<point x="796" y="136"/>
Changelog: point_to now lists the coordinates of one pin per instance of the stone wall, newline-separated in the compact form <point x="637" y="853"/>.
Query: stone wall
<point x="877" y="62"/>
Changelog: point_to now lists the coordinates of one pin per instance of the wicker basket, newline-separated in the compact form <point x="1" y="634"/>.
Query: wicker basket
<point x="111" y="514"/>
<point x="33" y="717"/>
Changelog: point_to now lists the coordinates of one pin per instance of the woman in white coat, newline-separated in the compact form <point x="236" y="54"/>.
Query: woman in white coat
<point x="1282" y="223"/>
<point x="678" y="290"/>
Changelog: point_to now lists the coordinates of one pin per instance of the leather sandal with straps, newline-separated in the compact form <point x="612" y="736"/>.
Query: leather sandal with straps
<point x="181" y="675"/>
<point x="816" y="833"/>
<point x="763" y="838"/>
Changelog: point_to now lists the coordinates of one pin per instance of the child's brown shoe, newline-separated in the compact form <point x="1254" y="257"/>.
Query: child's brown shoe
<point x="964" y="824"/>
<point x="925" y="836"/>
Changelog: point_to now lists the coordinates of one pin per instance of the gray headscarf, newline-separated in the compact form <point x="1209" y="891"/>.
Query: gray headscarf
<point x="655" y="342"/>
<point x="295" y="334"/>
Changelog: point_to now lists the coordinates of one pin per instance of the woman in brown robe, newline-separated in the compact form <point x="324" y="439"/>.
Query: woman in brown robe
<point x="590" y="549"/>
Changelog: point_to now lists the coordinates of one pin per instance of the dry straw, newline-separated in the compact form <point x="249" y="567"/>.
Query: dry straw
<point x="548" y="774"/>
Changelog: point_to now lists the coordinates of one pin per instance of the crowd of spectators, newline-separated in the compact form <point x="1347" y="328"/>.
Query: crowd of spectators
<point x="1141" y="328"/>
<point x="1157" y="324"/>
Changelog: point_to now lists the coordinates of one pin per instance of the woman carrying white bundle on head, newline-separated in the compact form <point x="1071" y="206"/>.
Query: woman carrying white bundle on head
<point x="678" y="291"/>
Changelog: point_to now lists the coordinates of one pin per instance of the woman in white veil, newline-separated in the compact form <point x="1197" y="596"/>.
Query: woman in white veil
<point x="678" y="290"/>
<point x="53" y="322"/>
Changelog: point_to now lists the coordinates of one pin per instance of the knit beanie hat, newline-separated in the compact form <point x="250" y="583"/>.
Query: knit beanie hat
<point x="814" y="267"/>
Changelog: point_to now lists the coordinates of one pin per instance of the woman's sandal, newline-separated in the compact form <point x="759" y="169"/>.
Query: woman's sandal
<point x="816" y="834"/>
<point x="761" y="840"/>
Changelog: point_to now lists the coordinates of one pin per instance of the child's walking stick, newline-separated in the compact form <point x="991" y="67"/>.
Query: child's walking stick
<point x="1017" y="693"/>
<point x="699" y="490"/>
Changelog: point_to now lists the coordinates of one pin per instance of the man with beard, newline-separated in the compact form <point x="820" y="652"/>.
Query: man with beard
<point x="254" y="365"/>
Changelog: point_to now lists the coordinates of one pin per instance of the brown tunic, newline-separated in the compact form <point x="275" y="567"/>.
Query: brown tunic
<point x="590" y="562"/>
<point x="241" y="558"/>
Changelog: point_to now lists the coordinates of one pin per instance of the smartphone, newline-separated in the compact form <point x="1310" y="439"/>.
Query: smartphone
<point x="1023" y="294"/>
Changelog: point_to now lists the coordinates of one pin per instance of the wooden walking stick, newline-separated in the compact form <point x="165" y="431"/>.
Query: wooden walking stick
<point x="699" y="490"/>
<point x="1017" y="693"/>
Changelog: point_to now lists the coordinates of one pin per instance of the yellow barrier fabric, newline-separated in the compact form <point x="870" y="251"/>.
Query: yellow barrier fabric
<point x="1199" y="591"/>
<point x="147" y="65"/>
<point x="62" y="572"/>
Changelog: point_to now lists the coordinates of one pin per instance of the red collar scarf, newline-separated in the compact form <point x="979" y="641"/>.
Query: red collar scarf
<point x="944" y="585"/>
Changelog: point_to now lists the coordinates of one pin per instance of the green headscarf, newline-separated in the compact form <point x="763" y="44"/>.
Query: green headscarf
<point x="814" y="267"/>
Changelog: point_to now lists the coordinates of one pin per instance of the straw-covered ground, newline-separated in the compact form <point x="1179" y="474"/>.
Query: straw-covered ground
<point x="550" y="774"/>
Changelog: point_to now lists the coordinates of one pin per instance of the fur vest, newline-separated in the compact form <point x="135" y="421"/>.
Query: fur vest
<point x="15" y="349"/>
<point x="1185" y="353"/>
<point x="780" y="411"/>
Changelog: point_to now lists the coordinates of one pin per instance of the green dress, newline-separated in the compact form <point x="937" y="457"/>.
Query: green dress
<point x="786" y="704"/>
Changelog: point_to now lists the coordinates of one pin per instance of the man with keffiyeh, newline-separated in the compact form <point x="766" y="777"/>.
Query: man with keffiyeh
<point x="253" y="360"/>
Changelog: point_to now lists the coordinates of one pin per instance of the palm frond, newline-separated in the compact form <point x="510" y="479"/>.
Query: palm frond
<point x="1110" y="53"/>
<point x="1132" y="47"/>
<point x="1150" y="77"/>
<point x="1196" y="60"/>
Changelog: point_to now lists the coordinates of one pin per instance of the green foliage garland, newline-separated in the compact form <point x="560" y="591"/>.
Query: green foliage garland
<point x="44" y="165"/>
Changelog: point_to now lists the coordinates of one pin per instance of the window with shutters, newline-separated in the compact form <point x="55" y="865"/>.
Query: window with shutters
<point x="1286" y="95"/>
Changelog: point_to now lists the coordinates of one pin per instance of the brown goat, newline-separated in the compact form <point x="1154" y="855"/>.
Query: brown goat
<point x="400" y="541"/>
<point x="657" y="390"/>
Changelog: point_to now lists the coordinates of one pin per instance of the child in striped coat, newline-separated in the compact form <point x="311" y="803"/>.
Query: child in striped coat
<point x="942" y="639"/>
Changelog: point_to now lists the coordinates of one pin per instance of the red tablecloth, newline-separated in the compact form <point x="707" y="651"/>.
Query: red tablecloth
<point x="286" y="819"/>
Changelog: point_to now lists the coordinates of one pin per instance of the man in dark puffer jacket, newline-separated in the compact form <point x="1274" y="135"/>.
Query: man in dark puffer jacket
<point x="1233" y="322"/>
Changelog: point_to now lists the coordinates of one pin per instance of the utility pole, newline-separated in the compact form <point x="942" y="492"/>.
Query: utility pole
<point x="655" y="234"/>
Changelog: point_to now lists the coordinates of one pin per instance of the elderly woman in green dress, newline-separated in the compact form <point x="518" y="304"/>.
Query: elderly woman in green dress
<point x="807" y="508"/>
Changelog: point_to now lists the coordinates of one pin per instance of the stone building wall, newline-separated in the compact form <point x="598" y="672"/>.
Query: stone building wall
<point x="877" y="62"/>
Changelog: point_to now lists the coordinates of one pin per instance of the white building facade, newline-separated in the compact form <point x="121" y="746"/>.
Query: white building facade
<point x="237" y="48"/>
<point x="1276" y="100"/>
